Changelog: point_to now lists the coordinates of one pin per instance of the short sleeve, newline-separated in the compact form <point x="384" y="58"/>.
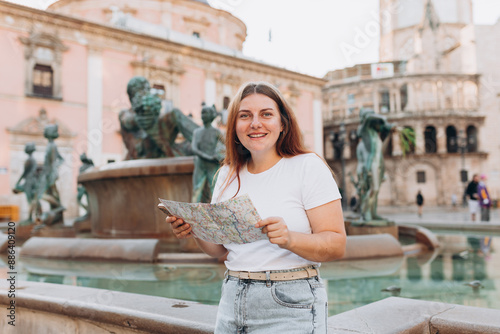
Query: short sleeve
<point x="318" y="185"/>
<point x="221" y="177"/>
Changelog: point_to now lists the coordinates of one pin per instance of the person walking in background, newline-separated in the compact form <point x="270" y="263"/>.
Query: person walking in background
<point x="454" y="200"/>
<point x="484" y="199"/>
<point x="420" y="202"/>
<point x="471" y="193"/>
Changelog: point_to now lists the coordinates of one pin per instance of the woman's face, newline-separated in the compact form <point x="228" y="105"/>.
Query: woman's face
<point x="258" y="124"/>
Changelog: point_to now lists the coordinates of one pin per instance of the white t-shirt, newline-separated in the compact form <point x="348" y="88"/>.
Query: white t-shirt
<point x="287" y="190"/>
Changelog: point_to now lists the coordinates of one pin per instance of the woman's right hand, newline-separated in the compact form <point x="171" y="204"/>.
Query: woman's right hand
<point x="181" y="229"/>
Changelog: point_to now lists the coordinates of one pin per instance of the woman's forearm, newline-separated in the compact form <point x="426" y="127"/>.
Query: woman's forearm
<point x="214" y="250"/>
<point x="318" y="247"/>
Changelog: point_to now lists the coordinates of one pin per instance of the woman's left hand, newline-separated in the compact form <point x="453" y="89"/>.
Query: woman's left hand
<point x="276" y="231"/>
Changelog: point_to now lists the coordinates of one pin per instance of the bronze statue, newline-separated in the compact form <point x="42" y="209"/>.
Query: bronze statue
<point x="370" y="169"/>
<point x="28" y="183"/>
<point x="208" y="147"/>
<point x="82" y="192"/>
<point x="149" y="133"/>
<point x="48" y="190"/>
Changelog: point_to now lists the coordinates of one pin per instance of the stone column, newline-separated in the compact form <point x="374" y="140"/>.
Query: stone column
<point x="459" y="95"/>
<point x="397" y="95"/>
<point x="441" y="138"/>
<point x="94" y="105"/>
<point x="410" y="105"/>
<point x="435" y="97"/>
<point x="440" y="96"/>
<point x="392" y="100"/>
<point x="419" y="134"/>
<point x="210" y="91"/>
<point x="418" y="97"/>
<point x="396" y="145"/>
<point x="175" y="92"/>
<point x="376" y="98"/>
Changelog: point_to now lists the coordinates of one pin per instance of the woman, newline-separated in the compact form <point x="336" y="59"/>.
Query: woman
<point x="273" y="286"/>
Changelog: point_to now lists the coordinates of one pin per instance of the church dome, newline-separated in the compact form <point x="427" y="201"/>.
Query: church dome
<point x="191" y="18"/>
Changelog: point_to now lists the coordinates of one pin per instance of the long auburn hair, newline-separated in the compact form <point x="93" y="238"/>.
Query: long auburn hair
<point x="290" y="141"/>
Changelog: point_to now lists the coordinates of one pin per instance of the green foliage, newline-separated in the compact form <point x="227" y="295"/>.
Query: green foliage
<point x="406" y="140"/>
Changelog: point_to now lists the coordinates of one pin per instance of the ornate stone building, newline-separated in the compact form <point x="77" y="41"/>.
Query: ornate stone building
<point x="75" y="60"/>
<point x="436" y="75"/>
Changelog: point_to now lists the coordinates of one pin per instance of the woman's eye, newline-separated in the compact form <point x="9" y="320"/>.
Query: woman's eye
<point x="268" y="114"/>
<point x="243" y="116"/>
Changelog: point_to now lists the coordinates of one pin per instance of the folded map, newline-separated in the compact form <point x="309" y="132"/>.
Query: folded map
<point x="231" y="221"/>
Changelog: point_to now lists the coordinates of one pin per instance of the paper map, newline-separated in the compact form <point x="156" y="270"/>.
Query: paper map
<point x="226" y="222"/>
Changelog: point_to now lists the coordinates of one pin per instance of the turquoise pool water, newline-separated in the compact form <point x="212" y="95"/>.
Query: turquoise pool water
<point x="440" y="276"/>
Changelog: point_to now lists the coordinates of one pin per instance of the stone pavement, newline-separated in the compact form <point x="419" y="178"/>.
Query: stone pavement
<point x="455" y="218"/>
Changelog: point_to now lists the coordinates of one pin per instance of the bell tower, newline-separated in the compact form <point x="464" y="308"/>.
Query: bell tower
<point x="428" y="35"/>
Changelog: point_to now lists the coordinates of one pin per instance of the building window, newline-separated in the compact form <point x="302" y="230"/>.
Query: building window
<point x="420" y="176"/>
<point x="353" y="143"/>
<point x="388" y="146"/>
<point x="43" y="54"/>
<point x="351" y="99"/>
<point x="451" y="139"/>
<point x="196" y="34"/>
<point x="385" y="104"/>
<point x="43" y="80"/>
<point x="336" y="147"/>
<point x="471" y="138"/>
<point x="159" y="90"/>
<point x="430" y="139"/>
<point x="403" y="91"/>
<point x="225" y="102"/>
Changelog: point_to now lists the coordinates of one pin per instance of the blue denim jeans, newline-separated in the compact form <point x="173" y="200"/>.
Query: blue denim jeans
<point x="253" y="306"/>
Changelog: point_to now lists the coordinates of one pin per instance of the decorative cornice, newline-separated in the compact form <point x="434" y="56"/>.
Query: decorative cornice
<point x="125" y="40"/>
<point x="201" y="21"/>
<point x="125" y="9"/>
<point x="43" y="39"/>
<point x="175" y="69"/>
<point x="404" y="78"/>
<point x="35" y="126"/>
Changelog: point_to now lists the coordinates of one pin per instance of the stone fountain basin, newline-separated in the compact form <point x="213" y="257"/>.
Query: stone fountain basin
<point x="123" y="196"/>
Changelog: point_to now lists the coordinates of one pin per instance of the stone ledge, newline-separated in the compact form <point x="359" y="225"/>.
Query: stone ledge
<point x="139" y="167"/>
<point x="402" y="315"/>
<point x="127" y="311"/>
<point x="62" y="307"/>
<point x="141" y="250"/>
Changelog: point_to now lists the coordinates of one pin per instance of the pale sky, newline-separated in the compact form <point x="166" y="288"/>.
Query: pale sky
<point x="306" y="34"/>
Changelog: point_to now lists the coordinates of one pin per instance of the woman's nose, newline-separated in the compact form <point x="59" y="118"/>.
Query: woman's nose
<point x="256" y="123"/>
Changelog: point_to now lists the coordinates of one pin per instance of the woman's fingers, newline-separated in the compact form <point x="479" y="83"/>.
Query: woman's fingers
<point x="180" y="228"/>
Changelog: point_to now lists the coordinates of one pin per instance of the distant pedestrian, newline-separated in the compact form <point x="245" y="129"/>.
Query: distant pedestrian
<point x="484" y="199"/>
<point x="471" y="193"/>
<point x="420" y="203"/>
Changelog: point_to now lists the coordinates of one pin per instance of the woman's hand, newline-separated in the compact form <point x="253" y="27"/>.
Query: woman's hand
<point x="181" y="229"/>
<point x="276" y="231"/>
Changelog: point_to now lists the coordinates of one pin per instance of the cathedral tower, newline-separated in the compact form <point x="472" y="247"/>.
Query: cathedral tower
<point x="428" y="35"/>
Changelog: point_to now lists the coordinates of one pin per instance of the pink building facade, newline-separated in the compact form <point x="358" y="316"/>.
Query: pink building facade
<point x="70" y="65"/>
